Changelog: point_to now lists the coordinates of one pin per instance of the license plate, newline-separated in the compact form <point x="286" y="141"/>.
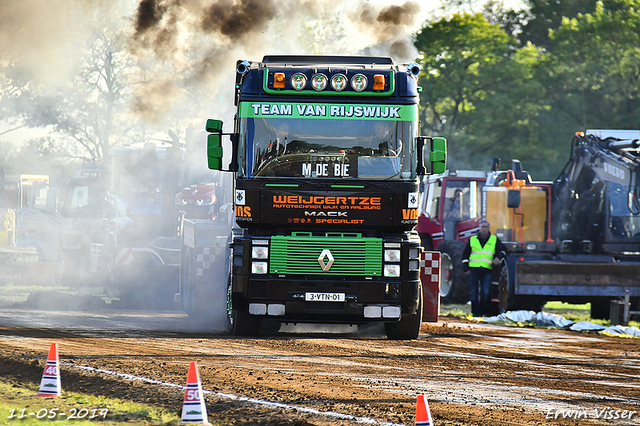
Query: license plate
<point x="324" y="297"/>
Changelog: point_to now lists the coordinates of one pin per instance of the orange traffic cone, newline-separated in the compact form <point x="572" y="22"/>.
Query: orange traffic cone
<point x="423" y="414"/>
<point x="50" y="383"/>
<point x="194" y="409"/>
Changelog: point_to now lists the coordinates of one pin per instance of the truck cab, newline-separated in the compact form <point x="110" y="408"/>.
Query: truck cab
<point x="326" y="154"/>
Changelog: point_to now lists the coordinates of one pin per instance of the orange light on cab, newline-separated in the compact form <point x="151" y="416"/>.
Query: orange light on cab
<point x="378" y="82"/>
<point x="278" y="80"/>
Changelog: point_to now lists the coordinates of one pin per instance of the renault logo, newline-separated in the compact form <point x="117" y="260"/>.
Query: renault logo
<point x="325" y="266"/>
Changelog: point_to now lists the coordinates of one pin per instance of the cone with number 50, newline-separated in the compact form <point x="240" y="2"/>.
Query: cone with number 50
<point x="194" y="410"/>
<point x="50" y="383"/>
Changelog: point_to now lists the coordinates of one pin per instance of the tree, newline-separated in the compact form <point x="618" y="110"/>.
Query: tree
<point x="594" y="69"/>
<point x="478" y="89"/>
<point x="543" y="16"/>
<point x="86" y="112"/>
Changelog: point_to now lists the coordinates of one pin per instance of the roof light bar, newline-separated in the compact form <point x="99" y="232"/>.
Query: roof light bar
<point x="298" y="81"/>
<point x="359" y="82"/>
<point x="319" y="81"/>
<point x="339" y="82"/>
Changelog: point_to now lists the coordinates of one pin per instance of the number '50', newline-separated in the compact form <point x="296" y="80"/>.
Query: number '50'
<point x="193" y="394"/>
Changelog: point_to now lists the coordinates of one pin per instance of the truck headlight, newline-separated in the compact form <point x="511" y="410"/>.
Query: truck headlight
<point x="391" y="255"/>
<point x="204" y="201"/>
<point x="259" y="252"/>
<point x="391" y="270"/>
<point x="259" y="267"/>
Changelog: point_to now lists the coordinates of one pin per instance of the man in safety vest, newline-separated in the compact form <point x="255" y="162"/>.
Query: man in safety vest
<point x="481" y="253"/>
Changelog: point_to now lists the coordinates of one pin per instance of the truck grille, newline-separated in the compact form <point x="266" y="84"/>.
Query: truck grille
<point x="351" y="255"/>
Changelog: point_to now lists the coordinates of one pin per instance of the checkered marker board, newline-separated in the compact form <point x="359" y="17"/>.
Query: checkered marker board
<point x="205" y="258"/>
<point x="430" y="278"/>
<point x="430" y="267"/>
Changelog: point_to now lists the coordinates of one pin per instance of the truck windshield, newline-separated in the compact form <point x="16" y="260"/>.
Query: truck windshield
<point x="327" y="148"/>
<point x="84" y="200"/>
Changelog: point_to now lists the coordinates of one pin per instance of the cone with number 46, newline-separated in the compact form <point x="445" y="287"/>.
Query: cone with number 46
<point x="194" y="410"/>
<point x="50" y="383"/>
<point x="423" y="413"/>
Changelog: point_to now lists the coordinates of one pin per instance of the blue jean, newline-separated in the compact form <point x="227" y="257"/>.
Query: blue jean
<point x="480" y="286"/>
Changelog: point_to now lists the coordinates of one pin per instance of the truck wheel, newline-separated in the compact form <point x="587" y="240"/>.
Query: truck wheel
<point x="239" y="321"/>
<point x="507" y="299"/>
<point x="454" y="284"/>
<point x="408" y="328"/>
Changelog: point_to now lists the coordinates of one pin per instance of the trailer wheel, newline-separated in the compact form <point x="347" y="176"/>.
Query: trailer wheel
<point x="408" y="328"/>
<point x="507" y="299"/>
<point x="454" y="284"/>
<point x="239" y="321"/>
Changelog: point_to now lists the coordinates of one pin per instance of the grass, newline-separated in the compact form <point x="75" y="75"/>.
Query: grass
<point x="575" y="313"/>
<point x="456" y="310"/>
<point x="571" y="312"/>
<point x="15" y="398"/>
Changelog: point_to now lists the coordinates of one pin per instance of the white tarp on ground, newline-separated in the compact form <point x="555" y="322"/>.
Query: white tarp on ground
<point x="544" y="319"/>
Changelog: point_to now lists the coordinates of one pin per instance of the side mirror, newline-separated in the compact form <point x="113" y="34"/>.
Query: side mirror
<point x="214" y="144"/>
<point x="438" y="155"/>
<point x="436" y="160"/>
<point x="513" y="199"/>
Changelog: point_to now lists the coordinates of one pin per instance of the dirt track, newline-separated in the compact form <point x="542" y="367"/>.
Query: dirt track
<point x="472" y="374"/>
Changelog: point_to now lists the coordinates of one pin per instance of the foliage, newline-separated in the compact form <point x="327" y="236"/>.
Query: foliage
<point x="543" y="16"/>
<point x="494" y="95"/>
<point x="478" y="89"/>
<point x="596" y="65"/>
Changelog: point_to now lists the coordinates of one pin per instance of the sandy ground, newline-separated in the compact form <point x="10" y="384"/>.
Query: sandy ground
<point x="472" y="374"/>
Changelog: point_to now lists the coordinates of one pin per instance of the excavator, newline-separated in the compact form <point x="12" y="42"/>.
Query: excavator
<point x="577" y="238"/>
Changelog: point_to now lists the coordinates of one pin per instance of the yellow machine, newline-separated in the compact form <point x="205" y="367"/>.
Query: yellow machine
<point x="517" y="210"/>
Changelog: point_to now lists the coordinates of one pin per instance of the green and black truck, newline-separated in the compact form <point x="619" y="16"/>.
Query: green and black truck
<point x="327" y="156"/>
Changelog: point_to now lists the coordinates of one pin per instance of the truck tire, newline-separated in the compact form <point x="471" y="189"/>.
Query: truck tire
<point x="239" y="321"/>
<point x="507" y="299"/>
<point x="454" y="283"/>
<point x="408" y="328"/>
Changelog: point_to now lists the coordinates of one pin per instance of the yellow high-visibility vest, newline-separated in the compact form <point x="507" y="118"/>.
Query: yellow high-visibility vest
<point x="481" y="257"/>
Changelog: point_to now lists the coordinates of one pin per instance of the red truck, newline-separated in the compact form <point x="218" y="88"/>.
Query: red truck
<point x="450" y="213"/>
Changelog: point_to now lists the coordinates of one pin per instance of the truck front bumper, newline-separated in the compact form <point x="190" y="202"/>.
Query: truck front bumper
<point x="334" y="301"/>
